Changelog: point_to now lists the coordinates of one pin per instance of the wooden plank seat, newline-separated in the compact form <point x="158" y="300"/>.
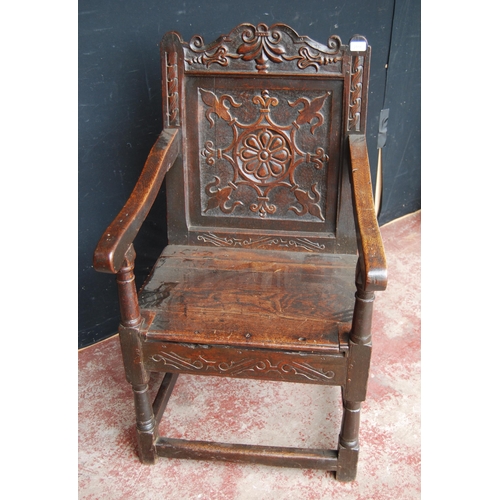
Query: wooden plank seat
<point x="295" y="301"/>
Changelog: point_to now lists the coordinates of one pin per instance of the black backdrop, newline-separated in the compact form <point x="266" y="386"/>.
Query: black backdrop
<point x="120" y="109"/>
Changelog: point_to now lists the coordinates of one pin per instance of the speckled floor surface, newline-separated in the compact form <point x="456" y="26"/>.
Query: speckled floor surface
<point x="259" y="412"/>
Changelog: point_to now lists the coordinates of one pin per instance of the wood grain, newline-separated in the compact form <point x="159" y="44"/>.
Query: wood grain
<point x="120" y="234"/>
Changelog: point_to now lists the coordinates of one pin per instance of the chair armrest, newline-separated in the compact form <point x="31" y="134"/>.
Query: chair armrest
<point x="114" y="243"/>
<point x="372" y="267"/>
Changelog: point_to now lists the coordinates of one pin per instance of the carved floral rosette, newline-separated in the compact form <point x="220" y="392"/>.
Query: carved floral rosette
<point x="264" y="49"/>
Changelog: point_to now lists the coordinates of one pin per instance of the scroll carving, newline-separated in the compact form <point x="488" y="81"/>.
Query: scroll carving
<point x="263" y="156"/>
<point x="264" y="46"/>
<point x="355" y="94"/>
<point x="286" y="369"/>
<point x="264" y="241"/>
<point x="172" y="89"/>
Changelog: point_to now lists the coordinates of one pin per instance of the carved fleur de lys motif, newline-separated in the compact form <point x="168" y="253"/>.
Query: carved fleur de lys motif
<point x="217" y="106"/>
<point x="219" y="197"/>
<point x="209" y="152"/>
<point x="309" y="205"/>
<point x="263" y="206"/>
<point x="310" y="111"/>
<point x="319" y="158"/>
<point x="261" y="45"/>
<point x="265" y="101"/>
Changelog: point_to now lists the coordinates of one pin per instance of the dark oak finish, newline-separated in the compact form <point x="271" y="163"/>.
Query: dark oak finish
<point x="265" y="455"/>
<point x="274" y="252"/>
<point x="114" y="244"/>
<point x="163" y="394"/>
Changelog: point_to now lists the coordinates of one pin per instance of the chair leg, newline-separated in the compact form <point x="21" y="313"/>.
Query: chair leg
<point x="139" y="378"/>
<point x="145" y="424"/>
<point x="354" y="391"/>
<point x="348" y="442"/>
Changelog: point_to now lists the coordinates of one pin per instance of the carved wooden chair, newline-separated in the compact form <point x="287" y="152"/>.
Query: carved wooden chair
<point x="274" y="252"/>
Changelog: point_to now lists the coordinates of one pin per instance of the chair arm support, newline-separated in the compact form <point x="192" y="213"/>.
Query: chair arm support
<point x="114" y="243"/>
<point x="372" y="267"/>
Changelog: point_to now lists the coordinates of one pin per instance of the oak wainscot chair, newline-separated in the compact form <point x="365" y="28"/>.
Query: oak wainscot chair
<point x="274" y="251"/>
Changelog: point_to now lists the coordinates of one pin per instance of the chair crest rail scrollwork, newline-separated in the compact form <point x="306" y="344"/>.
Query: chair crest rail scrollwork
<point x="261" y="48"/>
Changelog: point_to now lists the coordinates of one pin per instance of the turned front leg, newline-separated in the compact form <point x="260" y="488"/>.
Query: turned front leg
<point x="354" y="391"/>
<point x="348" y="442"/>
<point x="145" y="424"/>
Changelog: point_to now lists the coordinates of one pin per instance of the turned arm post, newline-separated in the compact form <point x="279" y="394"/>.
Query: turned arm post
<point x="361" y="331"/>
<point x="127" y="291"/>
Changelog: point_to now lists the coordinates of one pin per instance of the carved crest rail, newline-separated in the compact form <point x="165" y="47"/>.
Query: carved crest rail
<point x="258" y="47"/>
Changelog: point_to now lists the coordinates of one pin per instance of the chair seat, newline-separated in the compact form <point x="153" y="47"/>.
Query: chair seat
<point x="296" y="301"/>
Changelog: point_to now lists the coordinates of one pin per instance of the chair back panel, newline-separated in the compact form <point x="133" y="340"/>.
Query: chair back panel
<point x="264" y="114"/>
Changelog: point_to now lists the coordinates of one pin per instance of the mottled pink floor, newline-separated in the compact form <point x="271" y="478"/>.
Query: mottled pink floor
<point x="258" y="412"/>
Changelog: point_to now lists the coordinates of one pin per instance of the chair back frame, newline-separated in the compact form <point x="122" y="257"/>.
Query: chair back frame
<point x="264" y="115"/>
